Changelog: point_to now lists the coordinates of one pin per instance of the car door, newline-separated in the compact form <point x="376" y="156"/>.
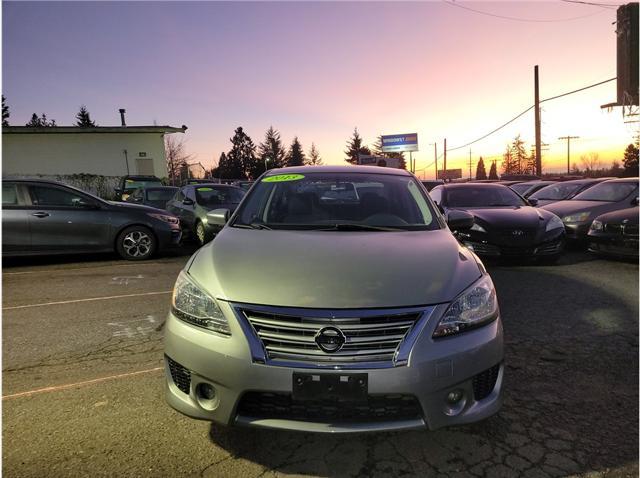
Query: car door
<point x="178" y="208"/>
<point x="63" y="219"/>
<point x="16" y="235"/>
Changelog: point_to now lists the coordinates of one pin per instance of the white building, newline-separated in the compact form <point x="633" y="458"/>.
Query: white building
<point x="109" y="151"/>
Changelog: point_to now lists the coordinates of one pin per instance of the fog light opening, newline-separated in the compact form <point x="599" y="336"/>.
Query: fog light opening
<point x="454" y="396"/>
<point x="205" y="391"/>
<point x="454" y="402"/>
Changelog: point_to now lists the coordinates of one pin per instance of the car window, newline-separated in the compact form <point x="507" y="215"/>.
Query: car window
<point x="556" y="191"/>
<point x="213" y="196"/>
<point x="608" y="191"/>
<point x="160" y="194"/>
<point x="130" y="184"/>
<point x="522" y="188"/>
<point x="482" y="196"/>
<point x="52" y="196"/>
<point x="9" y="195"/>
<point x="328" y="200"/>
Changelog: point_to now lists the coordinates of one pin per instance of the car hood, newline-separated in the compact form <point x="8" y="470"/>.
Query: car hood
<point x="630" y="215"/>
<point x="564" y="208"/>
<point x="521" y="217"/>
<point x="137" y="207"/>
<point x="330" y="269"/>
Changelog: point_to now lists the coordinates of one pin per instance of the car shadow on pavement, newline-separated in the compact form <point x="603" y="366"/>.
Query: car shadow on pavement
<point x="571" y="396"/>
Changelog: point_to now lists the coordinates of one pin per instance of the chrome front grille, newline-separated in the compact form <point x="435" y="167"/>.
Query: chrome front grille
<point x="289" y="336"/>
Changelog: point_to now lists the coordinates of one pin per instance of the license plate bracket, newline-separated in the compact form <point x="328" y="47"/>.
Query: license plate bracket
<point x="351" y="387"/>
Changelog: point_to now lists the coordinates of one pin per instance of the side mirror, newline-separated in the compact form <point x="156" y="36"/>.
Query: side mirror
<point x="218" y="217"/>
<point x="188" y="202"/>
<point x="532" y="202"/>
<point x="460" y="220"/>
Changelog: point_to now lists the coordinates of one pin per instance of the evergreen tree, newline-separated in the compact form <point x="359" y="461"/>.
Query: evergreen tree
<point x="314" y="158"/>
<point x="481" y="172"/>
<point x="630" y="161"/>
<point x="295" y="157"/>
<point x="508" y="165"/>
<point x="493" y="173"/>
<point x="518" y="155"/>
<point x="355" y="148"/>
<point x="223" y="167"/>
<point x="84" y="119"/>
<point x="270" y="150"/>
<point x="616" y="170"/>
<point x="41" y="122"/>
<point x="5" y="112"/>
<point x="241" y="157"/>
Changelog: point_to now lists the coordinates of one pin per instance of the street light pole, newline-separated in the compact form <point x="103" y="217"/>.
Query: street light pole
<point x="435" y="155"/>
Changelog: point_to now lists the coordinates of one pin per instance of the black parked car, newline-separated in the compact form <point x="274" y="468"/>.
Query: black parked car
<point x="564" y="190"/>
<point x="192" y="204"/>
<point x="45" y="217"/>
<point x="615" y="233"/>
<point x="607" y="196"/>
<point x="505" y="224"/>
<point x="128" y="184"/>
<point x="157" y="197"/>
<point x="527" y="189"/>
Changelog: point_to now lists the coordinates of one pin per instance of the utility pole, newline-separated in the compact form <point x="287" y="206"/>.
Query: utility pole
<point x="568" y="138"/>
<point x="412" y="165"/>
<point x="435" y="155"/>
<point x="536" y="86"/>
<point x="444" y="167"/>
<point x="469" y="164"/>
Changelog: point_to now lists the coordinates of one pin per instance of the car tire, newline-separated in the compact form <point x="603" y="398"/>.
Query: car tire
<point x="136" y="243"/>
<point x="201" y="234"/>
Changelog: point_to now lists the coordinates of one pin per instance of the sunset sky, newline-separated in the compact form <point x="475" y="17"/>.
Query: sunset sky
<point x="317" y="70"/>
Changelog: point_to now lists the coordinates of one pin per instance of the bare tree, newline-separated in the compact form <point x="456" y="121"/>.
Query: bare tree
<point x="176" y="157"/>
<point x="591" y="162"/>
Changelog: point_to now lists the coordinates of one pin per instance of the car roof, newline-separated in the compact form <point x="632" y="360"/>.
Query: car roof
<point x="621" y="180"/>
<point x="473" y="185"/>
<point x="338" y="169"/>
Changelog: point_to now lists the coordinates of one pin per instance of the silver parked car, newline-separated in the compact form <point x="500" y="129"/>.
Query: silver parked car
<point x="335" y="299"/>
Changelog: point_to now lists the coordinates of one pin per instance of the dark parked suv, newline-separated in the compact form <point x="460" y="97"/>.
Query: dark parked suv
<point x="45" y="217"/>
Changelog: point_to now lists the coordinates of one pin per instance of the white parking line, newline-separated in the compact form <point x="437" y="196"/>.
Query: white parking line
<point x="78" y="384"/>
<point x="40" y="271"/>
<point x="86" y="300"/>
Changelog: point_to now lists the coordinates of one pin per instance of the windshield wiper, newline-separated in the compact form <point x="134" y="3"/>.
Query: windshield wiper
<point x="253" y="225"/>
<point x="358" y="227"/>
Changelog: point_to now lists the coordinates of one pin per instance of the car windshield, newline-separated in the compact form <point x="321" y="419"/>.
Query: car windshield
<point x="160" y="194"/>
<point x="337" y="201"/>
<point x="522" y="188"/>
<point x="556" y="191"/>
<point x="131" y="184"/>
<point x="612" y="191"/>
<point x="482" y="196"/>
<point x="212" y="196"/>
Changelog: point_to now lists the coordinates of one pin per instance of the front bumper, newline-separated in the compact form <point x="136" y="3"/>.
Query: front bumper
<point x="544" y="249"/>
<point x="435" y="368"/>
<point x="613" y="244"/>
<point x="577" y="232"/>
<point x="169" y="236"/>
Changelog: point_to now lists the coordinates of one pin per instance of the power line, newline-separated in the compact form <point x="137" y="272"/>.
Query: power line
<point x="529" y="109"/>
<point x="517" y="19"/>
<point x="579" y="89"/>
<point x="612" y="5"/>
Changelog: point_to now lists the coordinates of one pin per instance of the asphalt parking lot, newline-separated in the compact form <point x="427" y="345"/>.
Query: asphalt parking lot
<point x="82" y="383"/>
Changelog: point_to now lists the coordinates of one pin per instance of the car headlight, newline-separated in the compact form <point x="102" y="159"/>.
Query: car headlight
<point x="597" y="226"/>
<point x="579" y="217"/>
<point x="193" y="305"/>
<point x="164" y="217"/>
<point x="477" y="305"/>
<point x="554" y="223"/>
<point x="478" y="228"/>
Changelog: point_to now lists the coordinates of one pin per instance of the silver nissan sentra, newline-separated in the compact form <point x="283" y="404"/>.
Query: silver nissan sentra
<point x="335" y="299"/>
